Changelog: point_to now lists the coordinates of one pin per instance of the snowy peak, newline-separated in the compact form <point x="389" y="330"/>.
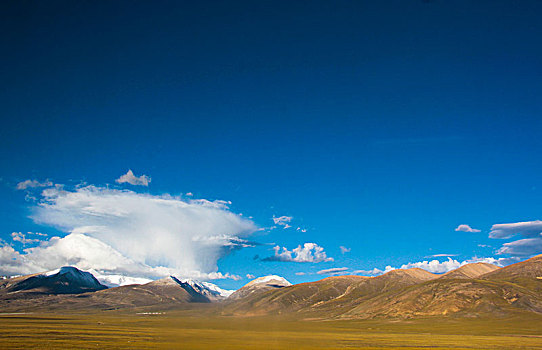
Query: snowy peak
<point x="271" y="280"/>
<point x="261" y="284"/>
<point x="205" y="289"/>
<point x="65" y="280"/>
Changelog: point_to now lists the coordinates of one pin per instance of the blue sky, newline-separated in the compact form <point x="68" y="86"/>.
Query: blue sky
<point x="377" y="126"/>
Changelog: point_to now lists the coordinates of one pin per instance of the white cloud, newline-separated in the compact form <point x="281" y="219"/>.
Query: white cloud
<point x="301" y="229"/>
<point x="522" y="247"/>
<point x="309" y="252"/>
<point x="527" y="229"/>
<point x="442" y="255"/>
<point x="531" y="244"/>
<point x="283" y="221"/>
<point x="138" y="235"/>
<point x="250" y="276"/>
<point x="131" y="179"/>
<point x="37" y="234"/>
<point x="332" y="271"/>
<point x="434" y="266"/>
<point x="374" y="271"/>
<point x="26" y="184"/>
<point x="300" y="273"/>
<point x="344" y="250"/>
<point x="21" y="237"/>
<point x="439" y="267"/>
<point x="466" y="228"/>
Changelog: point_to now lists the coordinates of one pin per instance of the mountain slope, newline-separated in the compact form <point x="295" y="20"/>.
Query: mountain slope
<point x="329" y="296"/>
<point x="503" y="291"/>
<point x="66" y="280"/>
<point x="470" y="271"/>
<point x="527" y="274"/>
<point x="260" y="285"/>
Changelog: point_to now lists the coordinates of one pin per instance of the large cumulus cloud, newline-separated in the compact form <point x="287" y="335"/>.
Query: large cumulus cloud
<point x="125" y="232"/>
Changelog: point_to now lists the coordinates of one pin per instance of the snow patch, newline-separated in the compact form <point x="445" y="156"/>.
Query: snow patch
<point x="270" y="278"/>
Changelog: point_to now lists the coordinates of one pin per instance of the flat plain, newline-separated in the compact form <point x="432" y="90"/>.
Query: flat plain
<point x="191" y="330"/>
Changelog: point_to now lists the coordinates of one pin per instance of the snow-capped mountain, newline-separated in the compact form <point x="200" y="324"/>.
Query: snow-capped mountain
<point x="206" y="289"/>
<point x="65" y="280"/>
<point x="260" y="284"/>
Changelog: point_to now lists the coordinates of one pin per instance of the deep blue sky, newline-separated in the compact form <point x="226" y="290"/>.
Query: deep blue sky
<point x="377" y="125"/>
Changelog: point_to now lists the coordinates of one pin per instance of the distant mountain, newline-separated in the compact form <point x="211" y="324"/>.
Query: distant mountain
<point x="208" y="290"/>
<point x="470" y="271"/>
<point x="66" y="280"/>
<point x="259" y="285"/>
<point x="472" y="290"/>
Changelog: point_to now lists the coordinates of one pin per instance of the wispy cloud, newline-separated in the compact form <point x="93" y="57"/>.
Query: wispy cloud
<point x="21" y="237"/>
<point x="131" y="179"/>
<point x="308" y="252"/>
<point x="26" y="184"/>
<point x="530" y="243"/>
<point x="528" y="229"/>
<point x="344" y="250"/>
<point x="332" y="271"/>
<point x="283" y="221"/>
<point x="441" y="255"/>
<point x="466" y="228"/>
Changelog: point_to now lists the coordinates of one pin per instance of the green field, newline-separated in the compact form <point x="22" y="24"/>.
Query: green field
<point x="183" y="330"/>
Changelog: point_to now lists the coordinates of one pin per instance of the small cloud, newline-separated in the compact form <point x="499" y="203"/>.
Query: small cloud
<point x="332" y="271"/>
<point x="21" y="237"/>
<point x="442" y="255"/>
<point x="283" y="221"/>
<point x="131" y="179"/>
<point x="374" y="271"/>
<point x="466" y="228"/>
<point x="250" y="276"/>
<point x="344" y="249"/>
<point x="484" y="246"/>
<point x="26" y="184"/>
<point x="300" y="273"/>
<point x="301" y="229"/>
<point x="309" y="252"/>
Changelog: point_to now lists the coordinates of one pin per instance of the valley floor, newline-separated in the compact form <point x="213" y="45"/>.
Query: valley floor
<point x="182" y="330"/>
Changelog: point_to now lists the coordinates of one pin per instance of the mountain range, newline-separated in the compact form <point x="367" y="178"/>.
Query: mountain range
<point x="470" y="291"/>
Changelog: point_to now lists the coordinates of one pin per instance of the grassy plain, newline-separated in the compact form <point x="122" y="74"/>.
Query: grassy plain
<point x="186" y="330"/>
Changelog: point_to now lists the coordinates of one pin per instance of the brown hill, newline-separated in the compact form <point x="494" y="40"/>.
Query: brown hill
<point x="329" y="296"/>
<point x="165" y="293"/>
<point x="470" y="271"/>
<point x="259" y="285"/>
<point x="510" y="290"/>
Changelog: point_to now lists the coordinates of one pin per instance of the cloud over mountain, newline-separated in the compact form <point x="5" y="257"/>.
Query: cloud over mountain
<point x="124" y="232"/>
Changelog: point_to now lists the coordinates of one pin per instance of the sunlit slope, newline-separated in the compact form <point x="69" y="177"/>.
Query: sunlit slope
<point x="501" y="292"/>
<point x="470" y="271"/>
<point x="527" y="274"/>
<point x="329" y="296"/>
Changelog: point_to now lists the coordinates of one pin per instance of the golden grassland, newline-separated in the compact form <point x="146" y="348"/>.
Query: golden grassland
<point x="187" y="330"/>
